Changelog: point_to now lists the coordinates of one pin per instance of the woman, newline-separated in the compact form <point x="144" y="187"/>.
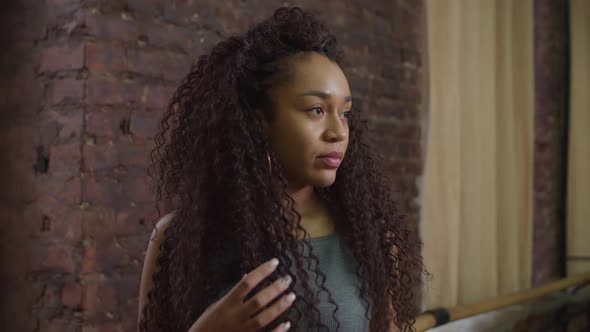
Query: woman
<point x="261" y="156"/>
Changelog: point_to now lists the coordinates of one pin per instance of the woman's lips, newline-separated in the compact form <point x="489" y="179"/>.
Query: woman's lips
<point x="331" y="162"/>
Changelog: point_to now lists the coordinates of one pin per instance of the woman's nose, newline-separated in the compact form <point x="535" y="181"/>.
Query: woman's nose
<point x="336" y="130"/>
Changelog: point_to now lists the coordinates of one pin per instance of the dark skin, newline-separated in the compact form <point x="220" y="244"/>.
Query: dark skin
<point x="309" y="120"/>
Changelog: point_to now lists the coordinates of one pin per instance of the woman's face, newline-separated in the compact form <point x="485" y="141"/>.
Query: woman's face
<point x="309" y="127"/>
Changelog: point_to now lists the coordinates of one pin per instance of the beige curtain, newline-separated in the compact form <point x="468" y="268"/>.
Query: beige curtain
<point x="477" y="202"/>
<point x="578" y="207"/>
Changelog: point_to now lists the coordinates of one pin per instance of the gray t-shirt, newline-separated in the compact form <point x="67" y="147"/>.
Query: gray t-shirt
<point x="339" y="266"/>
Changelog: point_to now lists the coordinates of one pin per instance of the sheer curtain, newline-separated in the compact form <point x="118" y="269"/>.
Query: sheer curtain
<point x="477" y="195"/>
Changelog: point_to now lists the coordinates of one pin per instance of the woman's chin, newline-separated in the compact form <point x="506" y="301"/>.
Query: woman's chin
<point x="325" y="180"/>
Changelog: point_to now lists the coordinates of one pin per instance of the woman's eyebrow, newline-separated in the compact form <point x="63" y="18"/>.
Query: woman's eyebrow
<point x="323" y="95"/>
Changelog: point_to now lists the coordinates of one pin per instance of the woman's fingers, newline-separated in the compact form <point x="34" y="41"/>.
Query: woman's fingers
<point x="251" y="280"/>
<point x="266" y="296"/>
<point x="269" y="314"/>
<point x="260" y="300"/>
<point x="283" y="327"/>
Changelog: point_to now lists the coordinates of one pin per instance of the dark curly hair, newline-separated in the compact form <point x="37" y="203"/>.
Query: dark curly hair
<point x="233" y="213"/>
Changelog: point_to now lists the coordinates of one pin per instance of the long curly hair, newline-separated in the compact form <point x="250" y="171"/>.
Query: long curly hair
<point x="232" y="211"/>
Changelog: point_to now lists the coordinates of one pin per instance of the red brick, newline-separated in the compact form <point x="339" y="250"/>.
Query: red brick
<point x="135" y="220"/>
<point x="64" y="191"/>
<point x="385" y="90"/>
<point x="407" y="149"/>
<point x="133" y="152"/>
<point x="98" y="222"/>
<point x="168" y="36"/>
<point x="144" y="124"/>
<point x="71" y="191"/>
<point x="51" y="220"/>
<point x="411" y="55"/>
<point x="158" y="96"/>
<point x="101" y="223"/>
<point x="50" y="297"/>
<point x="104" y="191"/>
<point x="98" y="296"/>
<point x="409" y="132"/>
<point x="359" y="86"/>
<point x="64" y="125"/>
<point x="47" y="129"/>
<point x="58" y="258"/>
<point x="68" y="228"/>
<point x="99" y="157"/>
<point x="103" y="92"/>
<point x="415" y="150"/>
<point x="65" y="90"/>
<point x="382" y="126"/>
<point x="106" y="57"/>
<point x="387" y="107"/>
<point x="70" y="124"/>
<point x="179" y="13"/>
<point x="135" y="248"/>
<point x="393" y="72"/>
<point x="203" y="41"/>
<point x="64" y="159"/>
<point x="162" y="64"/>
<point x="103" y="257"/>
<point x="412" y="113"/>
<point x="146" y="7"/>
<point x="67" y="57"/>
<point x="58" y="10"/>
<point x="71" y="295"/>
<point x="127" y="285"/>
<point x="104" y="123"/>
<point x="411" y="76"/>
<point x="411" y="94"/>
<point x="138" y="189"/>
<point x="111" y="28"/>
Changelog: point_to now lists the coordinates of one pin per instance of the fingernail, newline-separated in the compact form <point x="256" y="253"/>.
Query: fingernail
<point x="274" y="262"/>
<point x="287" y="279"/>
<point x="287" y="325"/>
<point x="290" y="298"/>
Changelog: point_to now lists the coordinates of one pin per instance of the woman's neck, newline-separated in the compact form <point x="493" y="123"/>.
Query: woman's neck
<point x="316" y="218"/>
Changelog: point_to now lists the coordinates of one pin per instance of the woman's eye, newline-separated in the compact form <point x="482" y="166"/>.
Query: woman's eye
<point x="316" y="110"/>
<point x="347" y="114"/>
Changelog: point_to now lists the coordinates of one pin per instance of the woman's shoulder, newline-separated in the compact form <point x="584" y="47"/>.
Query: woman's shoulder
<point x="164" y="223"/>
<point x="157" y="237"/>
<point x="151" y="257"/>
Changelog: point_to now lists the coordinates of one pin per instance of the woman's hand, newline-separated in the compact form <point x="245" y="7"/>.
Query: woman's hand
<point x="231" y="313"/>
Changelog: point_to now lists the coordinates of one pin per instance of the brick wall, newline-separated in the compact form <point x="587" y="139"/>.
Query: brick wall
<point x="551" y="33"/>
<point x="83" y="84"/>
